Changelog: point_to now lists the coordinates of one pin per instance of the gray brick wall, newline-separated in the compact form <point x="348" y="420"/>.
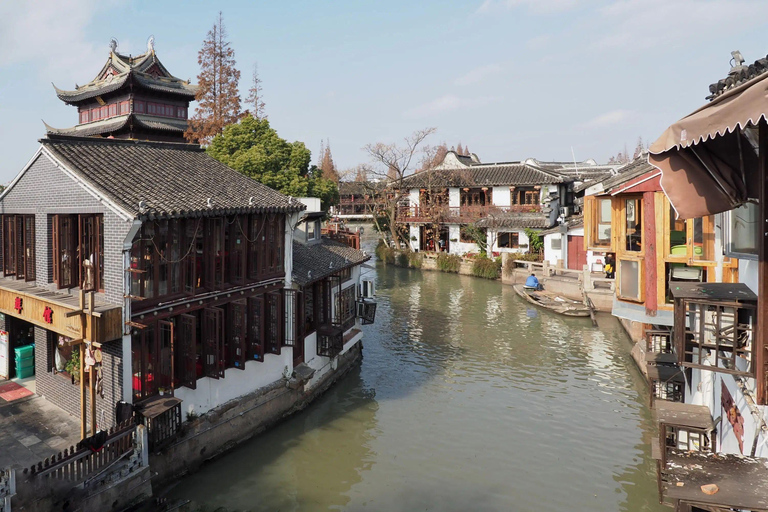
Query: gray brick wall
<point x="59" y="390"/>
<point x="45" y="190"/>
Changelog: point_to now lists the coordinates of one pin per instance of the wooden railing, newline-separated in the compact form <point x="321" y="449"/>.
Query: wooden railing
<point x="78" y="463"/>
<point x="346" y="237"/>
<point x="459" y="214"/>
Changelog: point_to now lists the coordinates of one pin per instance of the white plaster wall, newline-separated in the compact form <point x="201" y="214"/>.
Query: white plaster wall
<point x="454" y="232"/>
<point x="414" y="231"/>
<point x="413" y="197"/>
<point x="501" y="196"/>
<point x="211" y="393"/>
<point x="454" y="197"/>
<point x="552" y="255"/>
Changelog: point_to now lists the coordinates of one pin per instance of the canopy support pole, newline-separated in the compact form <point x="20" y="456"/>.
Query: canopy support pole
<point x="762" y="269"/>
<point x="713" y="175"/>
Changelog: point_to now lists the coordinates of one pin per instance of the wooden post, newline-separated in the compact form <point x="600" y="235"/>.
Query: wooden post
<point x="92" y="373"/>
<point x="81" y="348"/>
<point x="762" y="267"/>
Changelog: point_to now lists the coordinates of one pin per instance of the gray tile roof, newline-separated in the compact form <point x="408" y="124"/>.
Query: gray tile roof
<point x="572" y="223"/>
<point x="630" y="171"/>
<point x="480" y="175"/>
<point x="171" y="179"/>
<point x="115" y="124"/>
<point x="512" y="220"/>
<point x="312" y="262"/>
<point x="738" y="76"/>
<point x="129" y="70"/>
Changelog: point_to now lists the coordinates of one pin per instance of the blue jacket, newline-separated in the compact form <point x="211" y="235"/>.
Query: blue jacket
<point x="532" y="282"/>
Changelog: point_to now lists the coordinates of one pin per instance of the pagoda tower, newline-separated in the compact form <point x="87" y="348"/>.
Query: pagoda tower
<point x="130" y="98"/>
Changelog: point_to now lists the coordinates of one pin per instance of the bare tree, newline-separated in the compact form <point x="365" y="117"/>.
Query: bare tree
<point x="255" y="97"/>
<point x="392" y="163"/>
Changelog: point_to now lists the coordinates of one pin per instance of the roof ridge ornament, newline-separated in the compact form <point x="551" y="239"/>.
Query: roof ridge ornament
<point x="151" y="45"/>
<point x="113" y="45"/>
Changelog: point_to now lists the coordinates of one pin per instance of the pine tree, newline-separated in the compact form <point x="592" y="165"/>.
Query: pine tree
<point x="218" y="97"/>
<point x="459" y="149"/>
<point x="362" y="174"/>
<point x="466" y="151"/>
<point x="255" y="97"/>
<point x="328" y="167"/>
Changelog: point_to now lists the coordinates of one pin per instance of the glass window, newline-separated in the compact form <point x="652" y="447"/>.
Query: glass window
<point x="743" y="224"/>
<point x="677" y="235"/>
<point x="509" y="240"/>
<point x="555" y="243"/>
<point x="633" y="224"/>
<point x="603" y="222"/>
<point x="629" y="279"/>
<point x="703" y="238"/>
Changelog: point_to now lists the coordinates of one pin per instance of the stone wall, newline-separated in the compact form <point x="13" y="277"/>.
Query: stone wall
<point x="224" y="427"/>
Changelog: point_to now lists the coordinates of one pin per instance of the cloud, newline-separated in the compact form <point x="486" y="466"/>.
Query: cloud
<point x="447" y="103"/>
<point x="608" y="119"/>
<point x="52" y="33"/>
<point x="642" y="24"/>
<point x="479" y="74"/>
<point x="534" y="6"/>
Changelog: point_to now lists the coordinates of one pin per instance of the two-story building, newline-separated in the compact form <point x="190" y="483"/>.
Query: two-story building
<point x="149" y="273"/>
<point x="709" y="380"/>
<point x="502" y="199"/>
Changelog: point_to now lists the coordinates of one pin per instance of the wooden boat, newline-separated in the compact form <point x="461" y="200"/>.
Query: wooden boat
<point x="552" y="301"/>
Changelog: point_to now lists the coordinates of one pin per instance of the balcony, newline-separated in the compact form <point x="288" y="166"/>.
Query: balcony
<point x="715" y="326"/>
<point x="459" y="214"/>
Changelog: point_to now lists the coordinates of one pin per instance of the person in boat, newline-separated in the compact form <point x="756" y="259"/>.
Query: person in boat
<point x="532" y="282"/>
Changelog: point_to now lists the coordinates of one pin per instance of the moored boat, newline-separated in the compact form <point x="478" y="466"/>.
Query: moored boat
<point x="552" y="301"/>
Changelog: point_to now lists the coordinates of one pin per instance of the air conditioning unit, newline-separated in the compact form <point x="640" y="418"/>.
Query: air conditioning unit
<point x="565" y="211"/>
<point x="367" y="289"/>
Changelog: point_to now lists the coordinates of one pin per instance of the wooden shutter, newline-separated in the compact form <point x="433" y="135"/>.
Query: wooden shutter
<point x="29" y="247"/>
<point x="238" y="334"/>
<point x="273" y="322"/>
<point x="19" y="246"/>
<point x="55" y="251"/>
<point x="256" y="329"/>
<point x="186" y="341"/>
<point x="166" y="376"/>
<point x="291" y="327"/>
<point x="212" y="342"/>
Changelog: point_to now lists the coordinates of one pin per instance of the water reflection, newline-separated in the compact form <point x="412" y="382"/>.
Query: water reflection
<point x="466" y="400"/>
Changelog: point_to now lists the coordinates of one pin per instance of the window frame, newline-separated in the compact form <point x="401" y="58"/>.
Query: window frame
<point x="727" y="227"/>
<point x="18" y="240"/>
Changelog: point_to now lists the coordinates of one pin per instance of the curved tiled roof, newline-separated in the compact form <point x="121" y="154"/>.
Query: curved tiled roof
<point x="481" y="175"/>
<point x="114" y="124"/>
<point x="170" y="179"/>
<point x="513" y="220"/>
<point x="738" y="76"/>
<point x="131" y="70"/>
<point x="312" y="262"/>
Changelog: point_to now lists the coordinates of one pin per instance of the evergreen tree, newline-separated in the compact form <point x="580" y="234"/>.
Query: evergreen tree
<point x="254" y="148"/>
<point x="218" y="97"/>
<point x="327" y="166"/>
<point x="255" y="97"/>
<point x="466" y="151"/>
<point x="459" y="149"/>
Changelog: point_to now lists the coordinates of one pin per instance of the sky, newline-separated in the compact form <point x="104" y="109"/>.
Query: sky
<point x="510" y="79"/>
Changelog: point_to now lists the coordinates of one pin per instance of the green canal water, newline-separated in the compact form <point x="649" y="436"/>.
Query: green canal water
<point x="467" y="399"/>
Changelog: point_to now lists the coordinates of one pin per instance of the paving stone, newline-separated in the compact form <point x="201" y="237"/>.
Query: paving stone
<point x="29" y="440"/>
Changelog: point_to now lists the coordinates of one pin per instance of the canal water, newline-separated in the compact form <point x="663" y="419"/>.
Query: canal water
<point x="466" y="399"/>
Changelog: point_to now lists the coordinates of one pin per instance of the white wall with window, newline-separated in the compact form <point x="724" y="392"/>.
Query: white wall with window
<point x="508" y="240"/>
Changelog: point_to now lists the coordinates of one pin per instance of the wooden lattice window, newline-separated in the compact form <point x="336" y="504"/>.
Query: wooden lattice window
<point x="186" y="365"/>
<point x="78" y="251"/>
<point x="256" y="329"/>
<point x="212" y="343"/>
<point x="237" y="334"/>
<point x="19" y="246"/>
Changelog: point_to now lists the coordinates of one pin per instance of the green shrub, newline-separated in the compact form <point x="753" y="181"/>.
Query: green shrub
<point x="415" y="259"/>
<point x="448" y="262"/>
<point x="402" y="259"/>
<point x="385" y="253"/>
<point x="486" y="267"/>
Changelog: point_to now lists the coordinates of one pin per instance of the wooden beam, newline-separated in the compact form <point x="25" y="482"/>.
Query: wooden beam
<point x="762" y="266"/>
<point x="77" y="312"/>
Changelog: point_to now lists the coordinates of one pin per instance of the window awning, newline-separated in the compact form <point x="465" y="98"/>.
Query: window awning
<point x="708" y="159"/>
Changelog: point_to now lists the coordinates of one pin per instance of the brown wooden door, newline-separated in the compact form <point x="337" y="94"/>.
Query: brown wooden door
<point x="577" y="256"/>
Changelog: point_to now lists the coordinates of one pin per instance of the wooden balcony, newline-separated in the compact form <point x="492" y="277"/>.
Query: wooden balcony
<point x="459" y="214"/>
<point x="29" y="302"/>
